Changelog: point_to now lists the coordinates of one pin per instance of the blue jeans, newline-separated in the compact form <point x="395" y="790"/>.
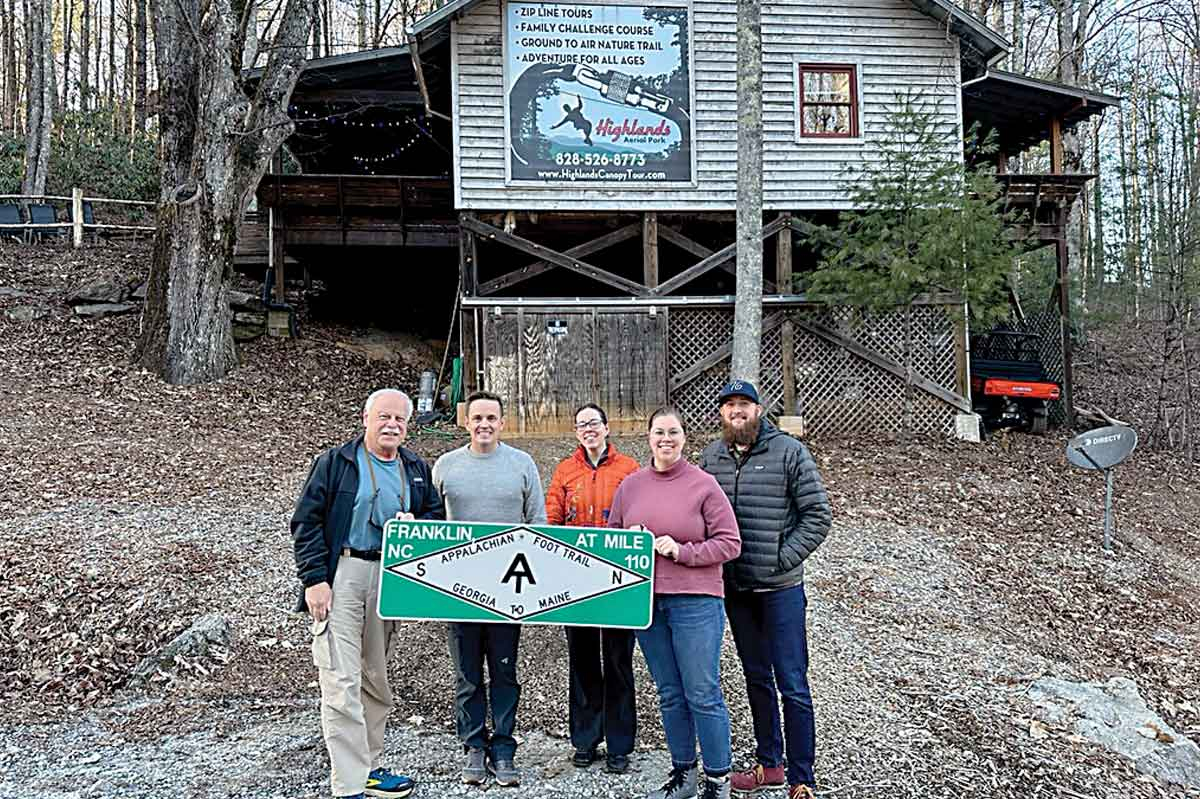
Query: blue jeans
<point x="683" y="650"/>
<point x="772" y="643"/>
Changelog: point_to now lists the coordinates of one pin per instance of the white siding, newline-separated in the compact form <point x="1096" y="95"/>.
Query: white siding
<point x="896" y="47"/>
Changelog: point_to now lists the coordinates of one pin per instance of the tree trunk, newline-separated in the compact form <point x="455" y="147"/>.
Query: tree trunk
<point x="139" y="97"/>
<point x="1099" y="265"/>
<point x="316" y="32"/>
<point x="1016" y="60"/>
<point x="216" y="144"/>
<point x="361" y="10"/>
<point x="747" y="314"/>
<point x="12" y="83"/>
<point x="112" y="51"/>
<point x="68" y="29"/>
<point x="85" y="52"/>
<point x="40" y="93"/>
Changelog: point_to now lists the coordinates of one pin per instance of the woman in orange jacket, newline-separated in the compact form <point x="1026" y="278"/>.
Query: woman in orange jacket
<point x="601" y="696"/>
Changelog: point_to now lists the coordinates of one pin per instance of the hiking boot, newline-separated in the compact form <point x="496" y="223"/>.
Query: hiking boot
<point x="616" y="764"/>
<point x="680" y="785"/>
<point x="759" y="778"/>
<point x="717" y="787"/>
<point x="801" y="792"/>
<point x="583" y="758"/>
<point x="475" y="769"/>
<point x="382" y="782"/>
<point x="506" y="773"/>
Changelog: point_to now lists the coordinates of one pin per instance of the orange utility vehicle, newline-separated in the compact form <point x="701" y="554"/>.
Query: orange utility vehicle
<point x="1009" y="385"/>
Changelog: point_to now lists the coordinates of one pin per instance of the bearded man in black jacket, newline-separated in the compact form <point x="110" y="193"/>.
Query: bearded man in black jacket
<point x="783" y="514"/>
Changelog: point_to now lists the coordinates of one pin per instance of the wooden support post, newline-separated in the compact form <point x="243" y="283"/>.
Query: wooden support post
<point x="468" y="268"/>
<point x="787" y="335"/>
<point x="650" y="249"/>
<point x="277" y="253"/>
<point x="1063" y="288"/>
<point x="1056" y="146"/>
<point x="1001" y="163"/>
<point x="77" y="217"/>
<point x="468" y="346"/>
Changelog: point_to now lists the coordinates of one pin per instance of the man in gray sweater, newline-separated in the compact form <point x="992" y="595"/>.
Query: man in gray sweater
<point x="487" y="481"/>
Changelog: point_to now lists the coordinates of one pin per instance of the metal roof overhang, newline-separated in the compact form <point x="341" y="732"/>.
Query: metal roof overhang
<point x="982" y="44"/>
<point x="1020" y="108"/>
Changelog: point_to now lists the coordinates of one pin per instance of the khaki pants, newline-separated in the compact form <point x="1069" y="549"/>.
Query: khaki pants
<point x="350" y="649"/>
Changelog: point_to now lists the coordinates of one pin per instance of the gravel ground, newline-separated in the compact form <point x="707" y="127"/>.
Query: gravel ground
<point x="955" y="575"/>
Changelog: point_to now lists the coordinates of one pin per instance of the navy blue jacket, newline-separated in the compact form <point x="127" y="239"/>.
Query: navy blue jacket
<point x="321" y="522"/>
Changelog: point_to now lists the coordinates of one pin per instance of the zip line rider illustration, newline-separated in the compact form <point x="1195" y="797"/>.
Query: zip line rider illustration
<point x="575" y="117"/>
<point x="612" y="86"/>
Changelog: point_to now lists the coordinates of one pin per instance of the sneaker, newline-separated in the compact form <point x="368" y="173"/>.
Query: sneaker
<point x="583" y="758"/>
<point x="382" y="782"/>
<point x="801" y="792"/>
<point x="506" y="773"/>
<point x="475" y="769"/>
<point x="759" y="778"/>
<point x="717" y="787"/>
<point x="680" y="785"/>
<point x="616" y="764"/>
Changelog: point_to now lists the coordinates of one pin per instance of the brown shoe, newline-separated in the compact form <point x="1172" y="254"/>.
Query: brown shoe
<point x="759" y="778"/>
<point x="801" y="792"/>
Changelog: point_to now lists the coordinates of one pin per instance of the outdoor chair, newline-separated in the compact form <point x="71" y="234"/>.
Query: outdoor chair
<point x="43" y="214"/>
<point x="11" y="215"/>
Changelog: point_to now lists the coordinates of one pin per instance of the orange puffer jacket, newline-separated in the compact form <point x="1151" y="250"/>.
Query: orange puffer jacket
<point x="580" y="495"/>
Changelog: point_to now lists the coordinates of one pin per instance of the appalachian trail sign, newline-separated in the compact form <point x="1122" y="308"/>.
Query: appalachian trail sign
<point x="470" y="571"/>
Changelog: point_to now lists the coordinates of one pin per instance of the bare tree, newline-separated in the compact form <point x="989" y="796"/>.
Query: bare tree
<point x="140" y="46"/>
<point x="215" y="145"/>
<point x="12" y="79"/>
<point x="747" y="315"/>
<point x="68" y="29"/>
<point x="39" y="94"/>
<point x="85" y="52"/>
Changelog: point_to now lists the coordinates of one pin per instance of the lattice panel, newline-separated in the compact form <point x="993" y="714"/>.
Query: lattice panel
<point x="1048" y="325"/>
<point x="838" y="393"/>
<point x="695" y="332"/>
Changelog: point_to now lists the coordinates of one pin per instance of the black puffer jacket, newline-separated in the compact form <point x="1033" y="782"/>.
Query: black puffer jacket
<point x="781" y="507"/>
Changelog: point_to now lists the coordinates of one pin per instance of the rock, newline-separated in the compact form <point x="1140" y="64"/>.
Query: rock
<point x="245" y="301"/>
<point x="248" y="332"/>
<point x="105" y="290"/>
<point x="139" y="293"/>
<point x="249" y="318"/>
<point x="25" y="313"/>
<point x="195" y="641"/>
<point x="105" y="309"/>
<point x="1115" y="716"/>
<point x="5" y="291"/>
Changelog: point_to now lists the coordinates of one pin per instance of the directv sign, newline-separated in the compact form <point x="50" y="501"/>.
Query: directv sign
<point x="466" y="571"/>
<point x="1102" y="448"/>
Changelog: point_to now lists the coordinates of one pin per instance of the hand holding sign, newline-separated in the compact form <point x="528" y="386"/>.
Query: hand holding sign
<point x="666" y="546"/>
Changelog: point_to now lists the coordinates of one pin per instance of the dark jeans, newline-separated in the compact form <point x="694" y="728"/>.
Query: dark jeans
<point x="601" y="698"/>
<point x="772" y="642"/>
<point x="470" y="645"/>
<point x="683" y="650"/>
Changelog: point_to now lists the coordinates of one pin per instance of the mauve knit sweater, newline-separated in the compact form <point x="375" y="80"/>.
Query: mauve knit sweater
<point x="688" y="505"/>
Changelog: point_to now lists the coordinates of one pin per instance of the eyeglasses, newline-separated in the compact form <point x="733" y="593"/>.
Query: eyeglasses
<point x="593" y="424"/>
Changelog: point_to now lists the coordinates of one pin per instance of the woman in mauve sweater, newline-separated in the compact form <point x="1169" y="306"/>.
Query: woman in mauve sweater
<point x="695" y="532"/>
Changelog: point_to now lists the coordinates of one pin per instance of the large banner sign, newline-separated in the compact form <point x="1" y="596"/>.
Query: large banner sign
<point x="469" y="571"/>
<point x="598" y="93"/>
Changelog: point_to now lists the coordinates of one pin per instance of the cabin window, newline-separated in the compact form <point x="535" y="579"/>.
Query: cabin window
<point x="828" y="101"/>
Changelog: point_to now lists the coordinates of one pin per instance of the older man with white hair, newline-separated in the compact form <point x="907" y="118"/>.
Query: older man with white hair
<point x="337" y="529"/>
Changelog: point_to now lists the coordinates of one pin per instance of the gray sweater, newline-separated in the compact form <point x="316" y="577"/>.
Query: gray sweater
<point x="502" y="487"/>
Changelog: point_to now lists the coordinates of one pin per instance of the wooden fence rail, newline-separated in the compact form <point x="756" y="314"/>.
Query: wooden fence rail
<point x="76" y="222"/>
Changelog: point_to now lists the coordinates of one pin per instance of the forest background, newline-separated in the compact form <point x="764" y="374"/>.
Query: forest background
<point x="79" y="107"/>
